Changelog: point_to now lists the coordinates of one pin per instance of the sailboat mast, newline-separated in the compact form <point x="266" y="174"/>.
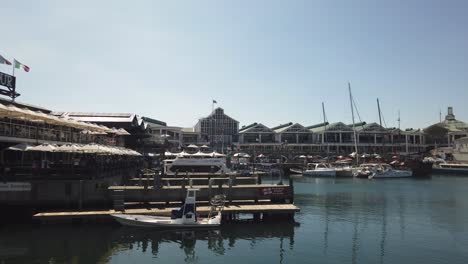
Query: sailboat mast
<point x="354" y="127"/>
<point x="380" y="115"/>
<point x="325" y="123"/>
<point x="399" y="120"/>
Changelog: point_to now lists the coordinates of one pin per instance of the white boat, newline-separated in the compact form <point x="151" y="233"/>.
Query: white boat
<point x="450" y="168"/>
<point x="319" y="170"/>
<point x="343" y="169"/>
<point x="185" y="217"/>
<point x="196" y="163"/>
<point x="386" y="171"/>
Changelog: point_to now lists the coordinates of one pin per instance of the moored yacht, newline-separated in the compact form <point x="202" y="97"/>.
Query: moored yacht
<point x="319" y="170"/>
<point x="386" y="171"/>
<point x="208" y="163"/>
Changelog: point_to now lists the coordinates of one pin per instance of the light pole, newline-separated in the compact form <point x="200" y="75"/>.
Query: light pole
<point x="254" y="155"/>
<point x="283" y="145"/>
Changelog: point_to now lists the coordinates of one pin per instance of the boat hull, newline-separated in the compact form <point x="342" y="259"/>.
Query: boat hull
<point x="393" y="174"/>
<point x="319" y="173"/>
<point x="457" y="171"/>
<point x="163" y="222"/>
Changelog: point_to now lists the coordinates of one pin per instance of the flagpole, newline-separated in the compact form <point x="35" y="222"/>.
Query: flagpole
<point x="14" y="64"/>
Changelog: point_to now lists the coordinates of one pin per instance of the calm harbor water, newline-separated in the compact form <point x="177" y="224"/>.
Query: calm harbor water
<point x="342" y="221"/>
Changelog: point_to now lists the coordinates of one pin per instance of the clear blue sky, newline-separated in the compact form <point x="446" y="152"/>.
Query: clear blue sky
<point x="265" y="61"/>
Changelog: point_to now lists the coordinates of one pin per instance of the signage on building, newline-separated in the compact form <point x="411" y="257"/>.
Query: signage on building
<point x="272" y="191"/>
<point x="15" y="186"/>
<point x="7" y="80"/>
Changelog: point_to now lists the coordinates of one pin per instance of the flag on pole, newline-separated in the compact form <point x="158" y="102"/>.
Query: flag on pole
<point x="4" y="61"/>
<point x="214" y="101"/>
<point x="19" y="65"/>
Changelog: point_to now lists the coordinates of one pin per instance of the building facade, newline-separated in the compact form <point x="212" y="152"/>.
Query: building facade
<point x="219" y="129"/>
<point x="444" y="133"/>
<point x="337" y="138"/>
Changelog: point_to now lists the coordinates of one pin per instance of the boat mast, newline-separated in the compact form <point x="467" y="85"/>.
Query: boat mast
<point x="399" y="120"/>
<point x="325" y="123"/>
<point x="380" y="121"/>
<point x="380" y="115"/>
<point x="354" y="127"/>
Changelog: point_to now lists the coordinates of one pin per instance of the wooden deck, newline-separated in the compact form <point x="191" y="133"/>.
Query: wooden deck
<point x="203" y="210"/>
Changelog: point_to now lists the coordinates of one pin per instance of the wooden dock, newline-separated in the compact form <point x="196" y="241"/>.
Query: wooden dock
<point x="259" y="211"/>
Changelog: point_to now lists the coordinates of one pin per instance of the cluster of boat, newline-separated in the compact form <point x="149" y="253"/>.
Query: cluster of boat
<point x="365" y="170"/>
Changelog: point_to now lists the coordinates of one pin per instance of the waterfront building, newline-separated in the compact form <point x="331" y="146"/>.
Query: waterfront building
<point x="219" y="129"/>
<point x="174" y="138"/>
<point x="324" y="138"/>
<point x="135" y="125"/>
<point x="28" y="124"/>
<point x="444" y="133"/>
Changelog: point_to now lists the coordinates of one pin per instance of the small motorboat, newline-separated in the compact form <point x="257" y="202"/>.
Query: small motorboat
<point x="344" y="168"/>
<point x="185" y="217"/>
<point x="386" y="171"/>
<point x="319" y="170"/>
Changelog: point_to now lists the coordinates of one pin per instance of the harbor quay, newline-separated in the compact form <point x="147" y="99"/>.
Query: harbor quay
<point x="70" y="164"/>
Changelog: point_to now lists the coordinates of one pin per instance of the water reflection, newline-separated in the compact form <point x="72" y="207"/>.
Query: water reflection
<point x="370" y="213"/>
<point x="97" y="244"/>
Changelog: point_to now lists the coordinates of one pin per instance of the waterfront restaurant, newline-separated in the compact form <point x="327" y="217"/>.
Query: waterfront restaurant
<point x="59" y="161"/>
<point x="136" y="126"/>
<point x="336" y="138"/>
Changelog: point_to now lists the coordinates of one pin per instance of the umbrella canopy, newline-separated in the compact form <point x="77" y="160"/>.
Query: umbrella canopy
<point x="20" y="147"/>
<point x="68" y="148"/>
<point x="261" y="156"/>
<point x="353" y="155"/>
<point x="44" y="147"/>
<point x="302" y="156"/>
<point x="192" y="146"/>
<point x="216" y="154"/>
<point x="123" y="132"/>
<point x="245" y="155"/>
<point x="170" y="154"/>
<point x="200" y="154"/>
<point x="395" y="157"/>
<point x="93" y="148"/>
<point x="204" y="147"/>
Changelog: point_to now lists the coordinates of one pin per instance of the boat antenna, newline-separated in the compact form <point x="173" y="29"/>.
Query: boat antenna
<point x="354" y="128"/>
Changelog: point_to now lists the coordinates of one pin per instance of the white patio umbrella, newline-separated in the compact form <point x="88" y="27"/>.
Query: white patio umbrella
<point x="68" y="148"/>
<point x="217" y="154"/>
<point x="44" y="147"/>
<point x="92" y="148"/>
<point x="20" y="147"/>
<point x="123" y="132"/>
<point x="201" y="154"/>
<point x="302" y="156"/>
<point x="261" y="156"/>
